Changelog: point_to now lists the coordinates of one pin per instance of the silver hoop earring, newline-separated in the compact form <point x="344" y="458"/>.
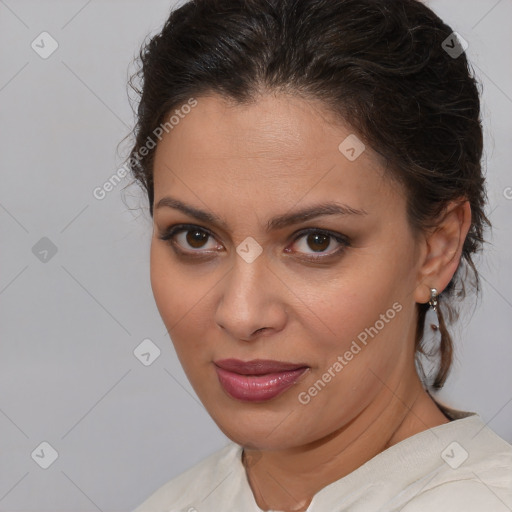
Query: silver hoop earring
<point x="434" y="305"/>
<point x="433" y="299"/>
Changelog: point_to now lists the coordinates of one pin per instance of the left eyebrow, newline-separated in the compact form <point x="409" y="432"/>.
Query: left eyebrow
<point x="319" y="210"/>
<point x="278" y="222"/>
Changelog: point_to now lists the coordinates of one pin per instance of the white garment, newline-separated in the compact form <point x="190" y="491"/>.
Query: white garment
<point x="461" y="466"/>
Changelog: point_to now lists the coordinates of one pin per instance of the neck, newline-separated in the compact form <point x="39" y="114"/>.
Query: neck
<point x="287" y="480"/>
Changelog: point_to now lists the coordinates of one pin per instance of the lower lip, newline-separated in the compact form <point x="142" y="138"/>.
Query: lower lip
<point x="257" y="388"/>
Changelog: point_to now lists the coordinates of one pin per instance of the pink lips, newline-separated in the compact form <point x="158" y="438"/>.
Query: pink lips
<point x="257" y="380"/>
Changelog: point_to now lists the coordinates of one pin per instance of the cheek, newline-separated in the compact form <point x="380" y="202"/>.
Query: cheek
<point x="181" y="296"/>
<point x="353" y="359"/>
<point x="165" y="282"/>
<point x="356" y="339"/>
<point x="342" y="308"/>
<point x="362" y="317"/>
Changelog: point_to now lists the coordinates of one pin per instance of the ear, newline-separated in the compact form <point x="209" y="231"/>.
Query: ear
<point x="442" y="249"/>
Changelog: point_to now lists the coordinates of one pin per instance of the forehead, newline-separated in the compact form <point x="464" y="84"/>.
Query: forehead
<point x="277" y="149"/>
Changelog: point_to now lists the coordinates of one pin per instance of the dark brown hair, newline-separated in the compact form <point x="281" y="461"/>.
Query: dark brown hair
<point x="382" y="66"/>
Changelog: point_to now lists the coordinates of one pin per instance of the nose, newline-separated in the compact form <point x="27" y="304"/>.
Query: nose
<point x="252" y="301"/>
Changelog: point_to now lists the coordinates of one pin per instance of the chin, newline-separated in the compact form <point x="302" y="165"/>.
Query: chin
<point x="259" y="428"/>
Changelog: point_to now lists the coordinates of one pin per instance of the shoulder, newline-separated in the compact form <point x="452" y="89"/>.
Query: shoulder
<point x="192" y="485"/>
<point x="476" y="476"/>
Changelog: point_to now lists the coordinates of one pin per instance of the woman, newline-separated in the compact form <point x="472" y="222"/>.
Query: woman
<point x="315" y="189"/>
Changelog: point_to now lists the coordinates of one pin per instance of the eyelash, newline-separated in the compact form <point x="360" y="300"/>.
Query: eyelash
<point x="172" y="231"/>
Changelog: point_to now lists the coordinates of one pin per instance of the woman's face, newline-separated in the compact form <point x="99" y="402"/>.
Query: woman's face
<point x="238" y="286"/>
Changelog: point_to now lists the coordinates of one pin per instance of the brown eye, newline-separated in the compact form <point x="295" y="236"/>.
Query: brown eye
<point x="188" y="238"/>
<point x="315" y="242"/>
<point x="196" y="238"/>
<point x="318" y="242"/>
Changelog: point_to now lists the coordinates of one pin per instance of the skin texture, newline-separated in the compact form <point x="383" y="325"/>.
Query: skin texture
<point x="247" y="164"/>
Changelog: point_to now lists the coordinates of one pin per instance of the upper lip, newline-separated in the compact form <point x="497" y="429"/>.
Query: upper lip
<point x="257" y="366"/>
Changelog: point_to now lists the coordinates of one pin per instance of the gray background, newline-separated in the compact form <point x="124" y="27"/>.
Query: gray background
<point x="69" y="326"/>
